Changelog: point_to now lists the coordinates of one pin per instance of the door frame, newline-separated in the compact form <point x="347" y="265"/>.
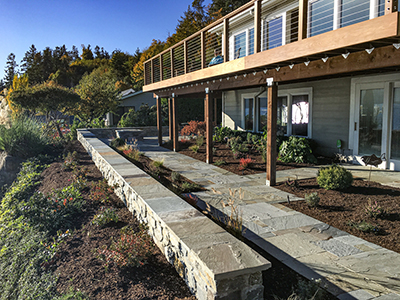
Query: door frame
<point x="387" y="82"/>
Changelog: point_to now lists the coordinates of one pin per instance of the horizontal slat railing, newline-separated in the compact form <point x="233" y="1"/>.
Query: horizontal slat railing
<point x="256" y="28"/>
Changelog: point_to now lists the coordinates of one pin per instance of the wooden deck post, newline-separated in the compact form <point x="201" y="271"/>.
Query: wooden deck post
<point x="303" y="13"/>
<point x="257" y="26"/>
<point x="215" y="112"/>
<point x="209" y="128"/>
<point x="271" y="131"/>
<point x="203" y="49"/>
<point x="174" y="124"/>
<point x="391" y="6"/>
<point x="170" y="119"/>
<point x="225" y="41"/>
<point x="159" y="120"/>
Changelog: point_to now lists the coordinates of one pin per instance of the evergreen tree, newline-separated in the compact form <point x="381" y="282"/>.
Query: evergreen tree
<point x="74" y="53"/>
<point x="87" y="53"/>
<point x="11" y="70"/>
<point x="220" y="8"/>
<point x="27" y="61"/>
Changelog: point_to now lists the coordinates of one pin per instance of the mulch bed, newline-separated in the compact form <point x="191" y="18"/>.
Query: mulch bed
<point x="223" y="153"/>
<point x="77" y="264"/>
<point x="338" y="208"/>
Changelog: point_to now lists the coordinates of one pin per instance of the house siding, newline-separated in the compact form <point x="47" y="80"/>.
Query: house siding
<point x="330" y="112"/>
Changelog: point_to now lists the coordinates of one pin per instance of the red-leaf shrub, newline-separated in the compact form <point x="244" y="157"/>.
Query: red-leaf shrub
<point x="194" y="127"/>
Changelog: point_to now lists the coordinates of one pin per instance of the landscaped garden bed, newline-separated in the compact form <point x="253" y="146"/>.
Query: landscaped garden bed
<point x="366" y="209"/>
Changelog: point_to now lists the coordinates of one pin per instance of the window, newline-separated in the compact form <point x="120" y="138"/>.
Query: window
<point x="248" y="113"/>
<point x="240" y="45"/>
<point x="294" y="112"/>
<point x="273" y="33"/>
<point x="243" y="43"/>
<point x="262" y="113"/>
<point x="282" y="117"/>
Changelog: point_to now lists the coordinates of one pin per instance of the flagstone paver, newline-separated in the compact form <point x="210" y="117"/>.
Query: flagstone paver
<point x="350" y="267"/>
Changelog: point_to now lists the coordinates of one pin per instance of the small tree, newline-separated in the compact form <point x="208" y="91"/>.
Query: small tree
<point x="98" y="93"/>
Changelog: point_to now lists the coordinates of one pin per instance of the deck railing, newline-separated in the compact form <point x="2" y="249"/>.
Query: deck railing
<point x="259" y="26"/>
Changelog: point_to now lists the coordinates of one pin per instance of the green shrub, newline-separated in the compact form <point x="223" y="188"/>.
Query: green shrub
<point x="200" y="140"/>
<point x="105" y="217"/>
<point x="188" y="187"/>
<point x="297" y="150"/>
<point x="221" y="134"/>
<point x="312" y="199"/>
<point x="25" y="138"/>
<point x="219" y="163"/>
<point x="117" y="142"/>
<point x="77" y="123"/>
<point x="194" y="148"/>
<point x="175" y="176"/>
<point x="365" y="227"/>
<point x="334" y="177"/>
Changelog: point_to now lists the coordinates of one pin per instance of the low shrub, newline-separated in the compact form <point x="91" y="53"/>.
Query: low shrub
<point x="244" y="163"/>
<point x="158" y="163"/>
<point x="70" y="161"/>
<point x="221" y="134"/>
<point x="101" y="192"/>
<point x="117" y="142"/>
<point x="194" y="148"/>
<point x="296" y="149"/>
<point x="312" y="199"/>
<point x="334" y="177"/>
<point x="365" y="227"/>
<point x="373" y="210"/>
<point x="77" y="124"/>
<point x="188" y="187"/>
<point x="25" y="138"/>
<point x="219" y="163"/>
<point x="106" y="216"/>
<point x="194" y="128"/>
<point x="200" y="140"/>
<point x="131" y="249"/>
<point x="175" y="176"/>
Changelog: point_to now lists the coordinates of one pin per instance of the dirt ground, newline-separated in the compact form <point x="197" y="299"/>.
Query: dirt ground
<point x="76" y="261"/>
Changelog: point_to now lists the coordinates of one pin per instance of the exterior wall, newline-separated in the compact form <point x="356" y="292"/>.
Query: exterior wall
<point x="213" y="263"/>
<point x="330" y="111"/>
<point x="139" y="100"/>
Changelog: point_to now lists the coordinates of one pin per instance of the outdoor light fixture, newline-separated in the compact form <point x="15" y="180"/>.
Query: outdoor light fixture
<point x="369" y="51"/>
<point x="265" y="71"/>
<point x="291" y="66"/>
<point x="325" y="59"/>
<point x="277" y="69"/>
<point x="307" y="63"/>
<point x="397" y="46"/>
<point x="345" y="55"/>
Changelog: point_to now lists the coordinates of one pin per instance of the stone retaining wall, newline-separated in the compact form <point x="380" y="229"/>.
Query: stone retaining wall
<point x="213" y="263"/>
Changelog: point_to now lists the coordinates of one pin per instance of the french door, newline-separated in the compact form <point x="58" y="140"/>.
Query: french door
<point x="377" y="122"/>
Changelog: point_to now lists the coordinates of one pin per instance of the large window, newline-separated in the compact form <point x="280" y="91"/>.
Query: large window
<point x="240" y="45"/>
<point x="243" y="43"/>
<point x="248" y="114"/>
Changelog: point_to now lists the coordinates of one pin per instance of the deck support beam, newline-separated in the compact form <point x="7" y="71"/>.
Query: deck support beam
<point x="159" y="120"/>
<point x="303" y="12"/>
<point x="271" y="132"/>
<point x="209" y="128"/>
<point x="257" y="26"/>
<point x="174" y="125"/>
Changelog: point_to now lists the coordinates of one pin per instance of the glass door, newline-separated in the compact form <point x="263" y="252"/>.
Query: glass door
<point x="394" y="141"/>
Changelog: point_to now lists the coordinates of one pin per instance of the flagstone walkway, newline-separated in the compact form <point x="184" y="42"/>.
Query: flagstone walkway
<point x="350" y="267"/>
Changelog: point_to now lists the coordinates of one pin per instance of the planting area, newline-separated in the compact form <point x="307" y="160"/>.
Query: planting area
<point x="93" y="254"/>
<point x="367" y="210"/>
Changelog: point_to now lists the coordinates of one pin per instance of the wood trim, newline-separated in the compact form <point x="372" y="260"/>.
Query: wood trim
<point x="209" y="128"/>
<point x="159" y="120"/>
<point x="257" y="26"/>
<point x="226" y="40"/>
<point x="337" y="41"/>
<point x="380" y="58"/>
<point x="271" y="133"/>
<point x="303" y="14"/>
<point x="175" y="126"/>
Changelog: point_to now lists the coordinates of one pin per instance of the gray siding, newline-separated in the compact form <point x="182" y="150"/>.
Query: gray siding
<point x="330" y="112"/>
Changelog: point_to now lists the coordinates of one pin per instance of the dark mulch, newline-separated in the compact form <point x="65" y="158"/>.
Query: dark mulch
<point x="338" y="208"/>
<point x="77" y="264"/>
<point x="223" y="153"/>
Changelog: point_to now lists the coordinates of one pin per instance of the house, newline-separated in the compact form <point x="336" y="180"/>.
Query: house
<point x="322" y="69"/>
<point x="129" y="100"/>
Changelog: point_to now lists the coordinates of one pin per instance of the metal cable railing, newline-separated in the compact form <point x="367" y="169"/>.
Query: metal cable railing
<point x="278" y="26"/>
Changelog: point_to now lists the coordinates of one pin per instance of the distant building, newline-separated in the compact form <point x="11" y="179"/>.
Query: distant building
<point x="129" y="100"/>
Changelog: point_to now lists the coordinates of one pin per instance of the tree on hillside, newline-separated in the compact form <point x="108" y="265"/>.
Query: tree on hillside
<point x="10" y="70"/>
<point x="220" y="8"/>
<point x="87" y="53"/>
<point x="137" y="73"/>
<point x="19" y="83"/>
<point x="98" y="93"/>
<point x="47" y="98"/>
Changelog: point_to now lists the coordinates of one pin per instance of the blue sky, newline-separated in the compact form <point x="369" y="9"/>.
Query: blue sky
<point x="113" y="24"/>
